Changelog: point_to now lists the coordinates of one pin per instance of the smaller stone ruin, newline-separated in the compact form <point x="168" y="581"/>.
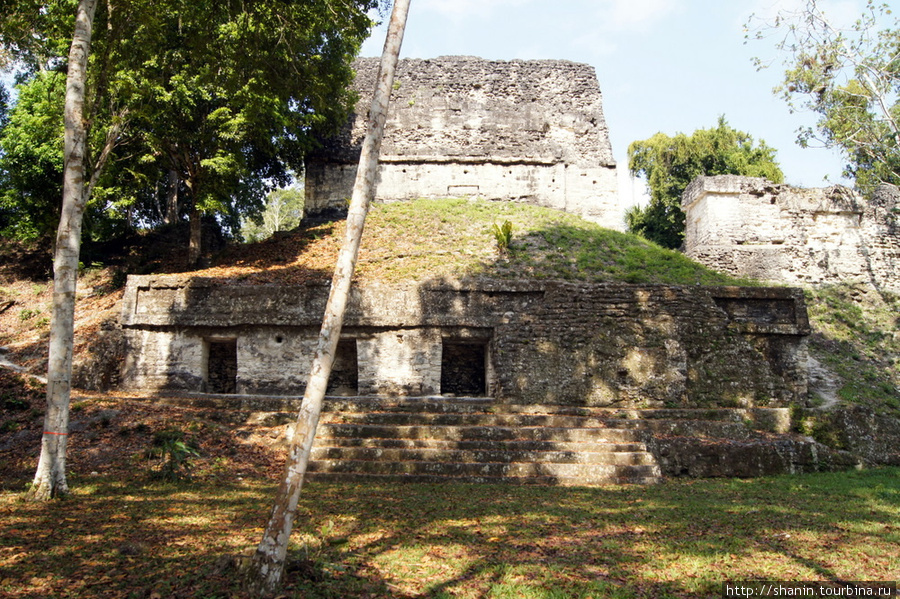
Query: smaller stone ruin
<point x="527" y="342"/>
<point x="528" y="131"/>
<point x="750" y="227"/>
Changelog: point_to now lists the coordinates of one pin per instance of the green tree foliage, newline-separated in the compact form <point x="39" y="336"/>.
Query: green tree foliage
<point x="850" y="77"/>
<point x="5" y="216"/>
<point x="283" y="212"/>
<point x="227" y="95"/>
<point x="231" y="122"/>
<point x="669" y="164"/>
<point x="31" y="157"/>
<point x="35" y="35"/>
<point x="4" y="104"/>
<point x="35" y="38"/>
<point x="31" y="166"/>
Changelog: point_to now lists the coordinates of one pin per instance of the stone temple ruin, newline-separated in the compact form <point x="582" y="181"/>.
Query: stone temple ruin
<point x="520" y="343"/>
<point x="529" y="131"/>
<point x="753" y="228"/>
<point x="546" y="382"/>
<point x="532" y="381"/>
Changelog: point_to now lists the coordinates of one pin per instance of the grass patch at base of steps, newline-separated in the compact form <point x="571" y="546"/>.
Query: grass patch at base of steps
<point x="683" y="538"/>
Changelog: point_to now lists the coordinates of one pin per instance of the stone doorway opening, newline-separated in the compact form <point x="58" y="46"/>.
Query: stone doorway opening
<point x="344" y="380"/>
<point x="464" y="367"/>
<point x="221" y="366"/>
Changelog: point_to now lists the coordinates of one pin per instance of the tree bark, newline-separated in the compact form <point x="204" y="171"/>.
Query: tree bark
<point x="50" y="478"/>
<point x="172" y="197"/>
<point x="195" y="244"/>
<point x="268" y="562"/>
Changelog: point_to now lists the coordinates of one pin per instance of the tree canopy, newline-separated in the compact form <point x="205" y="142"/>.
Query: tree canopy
<point x="232" y="123"/>
<point x="669" y="164"/>
<point x="31" y="157"/>
<point x="849" y="75"/>
<point x="210" y="102"/>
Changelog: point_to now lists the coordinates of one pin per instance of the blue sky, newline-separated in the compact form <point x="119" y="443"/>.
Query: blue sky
<point x="663" y="65"/>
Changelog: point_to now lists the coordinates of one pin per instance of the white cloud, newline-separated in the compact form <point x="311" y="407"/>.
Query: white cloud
<point x="595" y="43"/>
<point x="635" y="14"/>
<point x="609" y="15"/>
<point x="613" y="20"/>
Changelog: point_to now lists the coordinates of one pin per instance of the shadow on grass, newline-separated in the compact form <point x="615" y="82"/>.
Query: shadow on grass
<point x="593" y="254"/>
<point x="680" y="539"/>
<point x="134" y="539"/>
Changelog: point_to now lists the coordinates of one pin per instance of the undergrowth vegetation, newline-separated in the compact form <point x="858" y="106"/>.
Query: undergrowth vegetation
<point x="856" y="333"/>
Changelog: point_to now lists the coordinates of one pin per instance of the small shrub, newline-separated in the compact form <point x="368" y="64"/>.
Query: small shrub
<point x="118" y="279"/>
<point x="502" y="235"/>
<point x="11" y="402"/>
<point x="87" y="270"/>
<point x="172" y="455"/>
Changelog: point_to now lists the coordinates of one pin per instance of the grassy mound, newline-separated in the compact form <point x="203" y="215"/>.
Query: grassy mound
<point x="429" y="239"/>
<point x="856" y="334"/>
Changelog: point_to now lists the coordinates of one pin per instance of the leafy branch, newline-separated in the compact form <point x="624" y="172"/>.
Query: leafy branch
<point x="850" y="76"/>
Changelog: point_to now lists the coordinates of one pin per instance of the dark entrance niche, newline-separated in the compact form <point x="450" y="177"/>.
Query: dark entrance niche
<point x="464" y="367"/>
<point x="221" y="368"/>
<point x="344" y="378"/>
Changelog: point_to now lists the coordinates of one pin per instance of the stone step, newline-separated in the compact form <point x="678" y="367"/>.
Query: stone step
<point x="476" y="444"/>
<point x="375" y="479"/>
<point x="369" y="404"/>
<point x="670" y="427"/>
<point x="684" y="428"/>
<point x="466" y="419"/>
<point x="719" y="422"/>
<point x="492" y="433"/>
<point x="365" y="404"/>
<point x="466" y="440"/>
<point x="437" y="441"/>
<point x="587" y="474"/>
<point x="439" y="404"/>
<point x="499" y="454"/>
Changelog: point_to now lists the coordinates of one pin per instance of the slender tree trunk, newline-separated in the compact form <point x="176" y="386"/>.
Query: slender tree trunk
<point x="172" y="197"/>
<point x="268" y="562"/>
<point x="50" y="478"/>
<point x="196" y="239"/>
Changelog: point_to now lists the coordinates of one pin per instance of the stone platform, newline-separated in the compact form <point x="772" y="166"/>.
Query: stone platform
<point x="438" y="439"/>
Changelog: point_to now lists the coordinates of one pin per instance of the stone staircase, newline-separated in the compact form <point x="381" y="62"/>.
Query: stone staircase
<point x="476" y="440"/>
<point x="439" y="439"/>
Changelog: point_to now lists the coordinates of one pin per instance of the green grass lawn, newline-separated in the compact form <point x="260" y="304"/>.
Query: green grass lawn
<point x="682" y="538"/>
<point x="453" y="237"/>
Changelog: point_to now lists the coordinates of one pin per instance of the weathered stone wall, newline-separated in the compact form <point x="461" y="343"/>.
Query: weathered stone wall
<point x="97" y="367"/>
<point x="873" y="437"/>
<point x="750" y="227"/>
<point x="530" y="131"/>
<point x="549" y="343"/>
